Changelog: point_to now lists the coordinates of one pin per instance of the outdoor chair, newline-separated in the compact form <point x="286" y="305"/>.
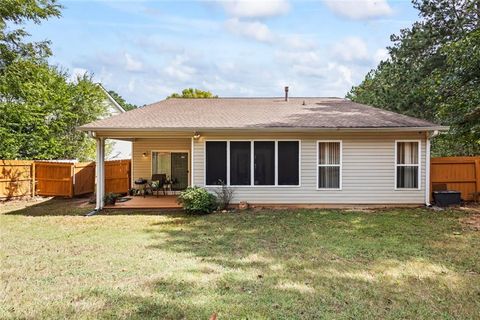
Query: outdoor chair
<point x="158" y="182"/>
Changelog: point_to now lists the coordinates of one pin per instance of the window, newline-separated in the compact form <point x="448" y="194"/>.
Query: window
<point x="264" y="163"/>
<point x="252" y="163"/>
<point x="240" y="163"/>
<point x="161" y="163"/>
<point x="329" y="164"/>
<point x="407" y="164"/>
<point x="216" y="162"/>
<point x="288" y="163"/>
<point x="174" y="165"/>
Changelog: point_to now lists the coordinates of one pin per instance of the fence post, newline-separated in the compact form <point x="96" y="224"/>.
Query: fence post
<point x="32" y="176"/>
<point x="72" y="178"/>
<point x="477" y="175"/>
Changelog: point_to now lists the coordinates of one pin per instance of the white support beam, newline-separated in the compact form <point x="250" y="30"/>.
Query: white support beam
<point x="429" y="136"/>
<point x="427" y="171"/>
<point x="192" y="155"/>
<point x="100" y="170"/>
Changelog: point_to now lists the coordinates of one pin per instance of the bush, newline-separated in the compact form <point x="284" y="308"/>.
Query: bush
<point x="224" y="196"/>
<point x="196" y="200"/>
<point x="110" y="198"/>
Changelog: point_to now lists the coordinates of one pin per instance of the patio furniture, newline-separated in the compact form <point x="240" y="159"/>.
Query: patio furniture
<point x="158" y="183"/>
<point x="142" y="185"/>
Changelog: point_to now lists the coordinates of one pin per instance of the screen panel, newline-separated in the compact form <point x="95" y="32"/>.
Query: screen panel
<point x="240" y="163"/>
<point x="288" y="163"/>
<point x="264" y="163"/>
<point x="216" y="162"/>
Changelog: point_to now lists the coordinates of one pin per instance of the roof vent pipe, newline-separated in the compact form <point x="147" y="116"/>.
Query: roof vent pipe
<point x="286" y="93"/>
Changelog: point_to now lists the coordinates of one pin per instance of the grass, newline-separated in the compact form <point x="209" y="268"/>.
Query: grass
<point x="298" y="264"/>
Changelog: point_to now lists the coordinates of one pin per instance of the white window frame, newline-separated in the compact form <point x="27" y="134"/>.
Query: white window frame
<point x="340" y="165"/>
<point x="419" y="165"/>
<point x="252" y="159"/>
<point x="228" y="164"/>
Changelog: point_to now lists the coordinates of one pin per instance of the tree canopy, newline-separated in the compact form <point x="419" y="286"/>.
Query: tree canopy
<point x="119" y="99"/>
<point x="191" y="93"/>
<point x="433" y="72"/>
<point x="40" y="111"/>
<point x="40" y="107"/>
<point x="15" y="13"/>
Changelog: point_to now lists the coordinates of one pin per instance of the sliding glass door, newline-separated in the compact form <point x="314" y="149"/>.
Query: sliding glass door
<point x="179" y="170"/>
<point x="174" y="165"/>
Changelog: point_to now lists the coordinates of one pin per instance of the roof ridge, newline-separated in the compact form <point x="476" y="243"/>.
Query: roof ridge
<point x="254" y="98"/>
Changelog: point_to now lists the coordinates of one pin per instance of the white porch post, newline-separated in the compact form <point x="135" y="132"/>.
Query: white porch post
<point x="427" y="168"/>
<point x="100" y="173"/>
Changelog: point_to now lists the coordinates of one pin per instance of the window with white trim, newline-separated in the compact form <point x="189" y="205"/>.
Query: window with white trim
<point x="252" y="163"/>
<point x="329" y="164"/>
<point x="264" y="163"/>
<point x="288" y="163"/>
<point x="407" y="164"/>
<point x="240" y="163"/>
<point x="216" y="162"/>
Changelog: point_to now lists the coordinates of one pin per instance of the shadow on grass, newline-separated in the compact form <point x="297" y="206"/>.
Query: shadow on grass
<point x="70" y="207"/>
<point x="48" y="207"/>
<point x="292" y="264"/>
<point x="307" y="264"/>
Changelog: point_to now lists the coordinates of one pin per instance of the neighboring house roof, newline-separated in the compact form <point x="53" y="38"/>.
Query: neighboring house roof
<point x="257" y="113"/>
<point x="112" y="103"/>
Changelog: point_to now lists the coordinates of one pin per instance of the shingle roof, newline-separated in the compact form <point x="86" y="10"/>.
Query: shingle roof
<point x="253" y="113"/>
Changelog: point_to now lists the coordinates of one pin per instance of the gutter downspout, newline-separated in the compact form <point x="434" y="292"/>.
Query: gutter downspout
<point x="430" y="135"/>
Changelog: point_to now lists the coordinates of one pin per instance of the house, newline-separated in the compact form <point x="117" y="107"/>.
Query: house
<point x="278" y="151"/>
<point x="120" y="149"/>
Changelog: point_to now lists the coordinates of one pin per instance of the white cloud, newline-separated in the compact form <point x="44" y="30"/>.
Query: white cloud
<point x="351" y="49"/>
<point x="297" y="41"/>
<point x="295" y="57"/>
<point x="381" y="55"/>
<point x="132" y="64"/>
<point x="179" y="70"/>
<point x="255" y="8"/>
<point x="360" y="9"/>
<point x="253" y="30"/>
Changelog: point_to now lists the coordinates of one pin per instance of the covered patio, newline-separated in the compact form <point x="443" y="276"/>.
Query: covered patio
<point x="153" y="154"/>
<point x="147" y="202"/>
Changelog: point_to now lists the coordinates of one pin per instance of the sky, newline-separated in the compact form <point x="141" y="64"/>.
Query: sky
<point x="146" y="50"/>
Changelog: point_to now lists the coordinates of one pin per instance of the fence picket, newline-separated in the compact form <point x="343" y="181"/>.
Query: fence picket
<point x="458" y="173"/>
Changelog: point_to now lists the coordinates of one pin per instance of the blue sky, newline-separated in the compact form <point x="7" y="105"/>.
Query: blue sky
<point x="146" y="50"/>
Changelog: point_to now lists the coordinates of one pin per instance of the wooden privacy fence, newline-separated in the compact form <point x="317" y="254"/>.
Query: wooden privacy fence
<point x="117" y="176"/>
<point x="65" y="179"/>
<point x="457" y="173"/>
<point x="16" y="178"/>
<point x="70" y="179"/>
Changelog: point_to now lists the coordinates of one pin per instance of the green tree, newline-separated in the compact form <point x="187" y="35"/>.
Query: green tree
<point x="125" y="105"/>
<point x="40" y="111"/>
<point x="40" y="108"/>
<point x="192" y="93"/>
<point x="433" y="73"/>
<point x="14" y="13"/>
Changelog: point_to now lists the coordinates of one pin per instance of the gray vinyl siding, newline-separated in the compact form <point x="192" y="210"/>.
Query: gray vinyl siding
<point x="368" y="170"/>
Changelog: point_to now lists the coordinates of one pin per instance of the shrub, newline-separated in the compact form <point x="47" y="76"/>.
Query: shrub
<point x="196" y="200"/>
<point x="224" y="196"/>
<point x="110" y="198"/>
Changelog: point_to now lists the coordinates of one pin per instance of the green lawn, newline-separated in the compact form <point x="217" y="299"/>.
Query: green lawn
<point x="299" y="264"/>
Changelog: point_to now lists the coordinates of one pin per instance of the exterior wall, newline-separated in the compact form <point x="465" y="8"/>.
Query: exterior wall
<point x="142" y="165"/>
<point x="120" y="149"/>
<point x="368" y="170"/>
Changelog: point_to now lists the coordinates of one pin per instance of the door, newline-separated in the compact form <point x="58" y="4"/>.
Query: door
<point x="180" y="170"/>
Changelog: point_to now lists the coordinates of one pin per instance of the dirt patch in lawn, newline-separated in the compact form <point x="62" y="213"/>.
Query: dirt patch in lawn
<point x="471" y="222"/>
